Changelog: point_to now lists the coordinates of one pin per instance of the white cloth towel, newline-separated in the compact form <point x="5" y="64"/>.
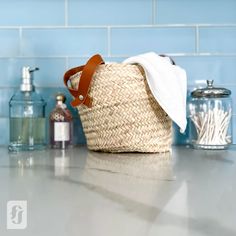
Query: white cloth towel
<point x="168" y="84"/>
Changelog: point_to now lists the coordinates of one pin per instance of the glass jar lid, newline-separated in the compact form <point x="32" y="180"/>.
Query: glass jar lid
<point x="210" y="91"/>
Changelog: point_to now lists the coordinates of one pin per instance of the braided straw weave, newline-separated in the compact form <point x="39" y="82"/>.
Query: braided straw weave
<point x="124" y="116"/>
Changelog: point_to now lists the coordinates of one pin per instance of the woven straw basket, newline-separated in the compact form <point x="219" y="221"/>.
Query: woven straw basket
<point x="118" y="111"/>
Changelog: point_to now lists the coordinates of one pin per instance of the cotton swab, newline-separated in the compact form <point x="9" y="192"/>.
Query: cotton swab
<point x="212" y="126"/>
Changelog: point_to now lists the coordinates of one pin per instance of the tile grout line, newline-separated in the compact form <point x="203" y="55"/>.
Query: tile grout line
<point x="66" y="13"/>
<point x="197" y="39"/>
<point x="113" y="26"/>
<point x="109" y="41"/>
<point x="21" y="41"/>
<point x="67" y="63"/>
<point x="123" y="55"/>
<point x="154" y="7"/>
<point x="101" y="26"/>
<point x="66" y="26"/>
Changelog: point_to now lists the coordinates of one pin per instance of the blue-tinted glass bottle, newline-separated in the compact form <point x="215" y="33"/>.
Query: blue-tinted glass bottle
<point x="27" y="116"/>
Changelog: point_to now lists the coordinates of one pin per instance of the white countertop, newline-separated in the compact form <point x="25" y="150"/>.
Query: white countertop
<point x="80" y="193"/>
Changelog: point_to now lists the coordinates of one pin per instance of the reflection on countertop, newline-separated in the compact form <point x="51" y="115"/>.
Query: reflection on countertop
<point x="79" y="192"/>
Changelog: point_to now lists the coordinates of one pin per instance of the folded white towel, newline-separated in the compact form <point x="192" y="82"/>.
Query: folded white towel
<point x="168" y="84"/>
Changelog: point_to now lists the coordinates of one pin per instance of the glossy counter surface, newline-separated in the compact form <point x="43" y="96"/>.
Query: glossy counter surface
<point x="77" y="192"/>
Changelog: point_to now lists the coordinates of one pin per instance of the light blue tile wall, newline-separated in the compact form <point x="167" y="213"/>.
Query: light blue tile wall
<point x="217" y="39"/>
<point x="196" y="12"/>
<point x="221" y="68"/>
<point x="56" y="35"/>
<point x="28" y="12"/>
<point x="131" y="41"/>
<point x="105" y="12"/>
<point x="9" y="42"/>
<point x="11" y="71"/>
<point x="63" y="42"/>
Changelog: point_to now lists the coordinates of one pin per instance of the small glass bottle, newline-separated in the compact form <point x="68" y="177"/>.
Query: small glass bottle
<point x="60" y="124"/>
<point x="27" y="116"/>
<point x="210" y="112"/>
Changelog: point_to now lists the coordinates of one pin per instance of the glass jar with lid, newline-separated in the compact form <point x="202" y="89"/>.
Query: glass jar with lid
<point x="61" y="124"/>
<point x="210" y="115"/>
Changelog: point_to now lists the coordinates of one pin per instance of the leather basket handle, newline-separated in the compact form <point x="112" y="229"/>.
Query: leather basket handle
<point x="81" y="93"/>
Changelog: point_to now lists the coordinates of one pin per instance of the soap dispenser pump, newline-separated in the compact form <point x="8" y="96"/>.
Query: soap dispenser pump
<point x="27" y="116"/>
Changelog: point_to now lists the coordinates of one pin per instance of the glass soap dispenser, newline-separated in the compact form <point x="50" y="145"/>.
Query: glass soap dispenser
<point x="27" y="116"/>
<point x="60" y="124"/>
<point x="210" y="112"/>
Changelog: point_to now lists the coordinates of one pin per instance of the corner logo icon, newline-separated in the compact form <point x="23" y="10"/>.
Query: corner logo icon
<point x="16" y="214"/>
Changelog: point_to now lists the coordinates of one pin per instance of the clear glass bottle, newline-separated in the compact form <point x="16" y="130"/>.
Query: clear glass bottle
<point x="210" y="115"/>
<point x="27" y="116"/>
<point x="60" y="124"/>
